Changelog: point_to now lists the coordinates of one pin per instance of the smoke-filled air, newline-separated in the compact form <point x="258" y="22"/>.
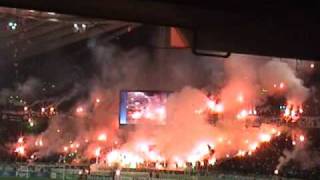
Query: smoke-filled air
<point x="210" y="111"/>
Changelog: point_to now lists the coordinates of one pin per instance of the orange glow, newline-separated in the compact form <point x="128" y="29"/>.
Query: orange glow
<point x="301" y="138"/>
<point x="264" y="137"/>
<point x="97" y="151"/>
<point x="79" y="109"/>
<point x="253" y="146"/>
<point x="98" y="100"/>
<point x="20" y="150"/>
<point x="240" y="98"/>
<point x="241" y="153"/>
<point x="20" y="140"/>
<point x="312" y="65"/>
<point x="300" y="110"/>
<point x="211" y="105"/>
<point x="143" y="147"/>
<point x="281" y="85"/>
<point x="65" y="149"/>
<point x="243" y="114"/>
<point x="219" y="108"/>
<point x="102" y="137"/>
<point x="294" y="143"/>
<point x="39" y="142"/>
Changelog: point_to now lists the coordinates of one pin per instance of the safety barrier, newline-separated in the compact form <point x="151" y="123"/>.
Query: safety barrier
<point x="72" y="173"/>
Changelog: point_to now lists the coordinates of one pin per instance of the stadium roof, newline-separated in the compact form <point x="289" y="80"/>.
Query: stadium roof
<point x="26" y="33"/>
<point x="268" y="27"/>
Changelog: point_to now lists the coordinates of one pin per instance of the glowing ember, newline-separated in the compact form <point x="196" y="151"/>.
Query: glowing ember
<point x="43" y="110"/>
<point x="25" y="108"/>
<point x="276" y="171"/>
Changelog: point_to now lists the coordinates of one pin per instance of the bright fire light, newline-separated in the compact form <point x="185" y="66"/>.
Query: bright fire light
<point x="281" y="85"/>
<point x="98" y="100"/>
<point x="65" y="149"/>
<point x="97" y="151"/>
<point x="102" y="137"/>
<point x="20" y="150"/>
<point x="39" y="142"/>
<point x="20" y="140"/>
<point x="136" y="115"/>
<point x="240" y="98"/>
<point x="243" y="114"/>
<point x="312" y="65"/>
<point x="301" y="138"/>
<point x="211" y="105"/>
<point x="264" y="137"/>
<point x="79" y="109"/>
<point x="219" y="108"/>
<point x="253" y="146"/>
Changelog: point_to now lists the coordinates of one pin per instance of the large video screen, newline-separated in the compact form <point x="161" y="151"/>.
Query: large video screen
<point x="143" y="107"/>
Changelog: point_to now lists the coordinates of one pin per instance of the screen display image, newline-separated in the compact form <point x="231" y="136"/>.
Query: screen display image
<point x="141" y="107"/>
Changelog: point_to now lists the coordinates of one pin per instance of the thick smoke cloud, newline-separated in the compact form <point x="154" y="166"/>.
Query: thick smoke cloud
<point x="155" y="69"/>
<point x="191" y="78"/>
<point x="28" y="89"/>
<point x="305" y="157"/>
<point x="275" y="72"/>
<point x="119" y="69"/>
